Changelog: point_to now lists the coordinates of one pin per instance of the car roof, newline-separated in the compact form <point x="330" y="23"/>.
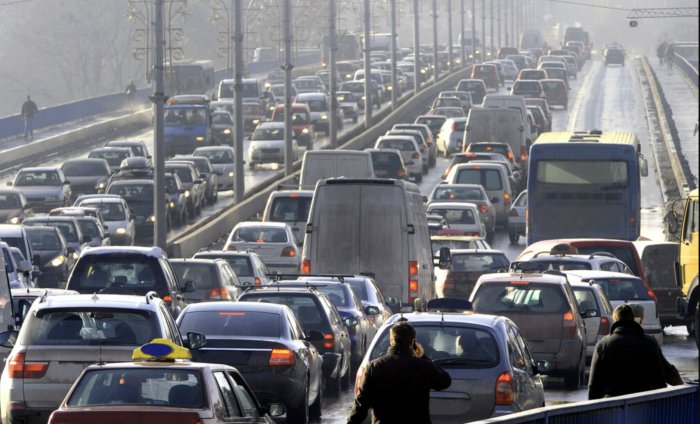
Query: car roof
<point x="452" y="205"/>
<point x="225" y="253"/>
<point x="534" y="277"/>
<point x="292" y="193"/>
<point x="475" y="251"/>
<point x="201" y="261"/>
<point x="271" y="124"/>
<point x="100" y="301"/>
<point x="40" y="168"/>
<point x="587" y="273"/>
<point x="237" y="306"/>
<point x="467" y="317"/>
<point x="153" y="251"/>
<point x="269" y="224"/>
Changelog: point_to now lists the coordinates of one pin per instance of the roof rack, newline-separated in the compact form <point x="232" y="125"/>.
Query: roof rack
<point x="151" y="295"/>
<point x="604" y="254"/>
<point x="339" y="277"/>
<point x="449" y="304"/>
<point x="526" y="266"/>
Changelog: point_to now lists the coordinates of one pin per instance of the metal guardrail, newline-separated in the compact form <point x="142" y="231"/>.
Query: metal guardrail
<point x="690" y="71"/>
<point x="672" y="405"/>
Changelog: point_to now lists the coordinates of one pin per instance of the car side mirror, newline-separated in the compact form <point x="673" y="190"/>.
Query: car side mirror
<point x="589" y="313"/>
<point x="644" y="167"/>
<point x="314" y="336"/>
<point x="24" y="266"/>
<point x="350" y="321"/>
<point x="190" y="287"/>
<point x="195" y="340"/>
<point x="372" y="310"/>
<point x="276" y="410"/>
<point x="9" y="183"/>
<point x="672" y="222"/>
<point x="87" y="239"/>
<point x="445" y="258"/>
<point x="66" y="182"/>
<point x="132" y="216"/>
<point x="542" y="367"/>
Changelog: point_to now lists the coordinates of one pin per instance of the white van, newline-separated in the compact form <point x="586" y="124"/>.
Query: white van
<point x="320" y="164"/>
<point x="291" y="207"/>
<point x="375" y="227"/>
<point x="512" y="102"/>
<point x="503" y="125"/>
<point x="493" y="178"/>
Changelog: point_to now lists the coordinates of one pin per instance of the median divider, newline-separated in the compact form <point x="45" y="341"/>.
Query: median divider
<point x="204" y="234"/>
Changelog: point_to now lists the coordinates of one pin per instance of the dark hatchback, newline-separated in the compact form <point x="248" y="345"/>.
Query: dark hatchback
<point x="387" y="163"/>
<point x="55" y="259"/>
<point x="465" y="268"/>
<point x="315" y="312"/>
<point x="267" y="345"/>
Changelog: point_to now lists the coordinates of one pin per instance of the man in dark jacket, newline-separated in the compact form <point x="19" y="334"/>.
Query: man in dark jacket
<point x="397" y="385"/>
<point x="29" y="109"/>
<point x="626" y="361"/>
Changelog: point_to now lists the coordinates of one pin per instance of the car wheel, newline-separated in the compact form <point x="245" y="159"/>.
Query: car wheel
<point x="300" y="414"/>
<point x="316" y="407"/>
<point x="183" y="217"/>
<point x="432" y="162"/>
<point x="513" y="236"/>
<point x="425" y="169"/>
<point x="345" y="380"/>
<point x="418" y="177"/>
<point x="333" y="386"/>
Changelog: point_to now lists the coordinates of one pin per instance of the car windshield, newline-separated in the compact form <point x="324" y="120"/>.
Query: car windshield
<point x="317" y="105"/>
<point x="110" y="211"/>
<point x="90" y="326"/>
<point x="275" y="133"/>
<point x="89" y="228"/>
<point x="85" y="169"/>
<point x="520" y="296"/>
<point x="492" y="262"/>
<point x="222" y="119"/>
<point x="41" y="239"/>
<point x="10" y="201"/>
<point x="290" y="209"/>
<point x="182" y="172"/>
<point x="623" y="289"/>
<point x="455" y="216"/>
<point x="67" y="228"/>
<point x="232" y="323"/>
<point x="38" y="178"/>
<point x="113" y="157"/>
<point x="216" y="156"/>
<point x="260" y="235"/>
<point x="162" y="387"/>
<point x="450" y="345"/>
<point x="133" y="192"/>
<point x="458" y="193"/>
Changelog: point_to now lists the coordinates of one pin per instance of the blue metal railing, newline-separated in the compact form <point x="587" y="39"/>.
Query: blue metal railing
<point x="672" y="405"/>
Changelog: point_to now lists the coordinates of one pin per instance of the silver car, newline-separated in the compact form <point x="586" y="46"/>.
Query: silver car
<point x="248" y="266"/>
<point x="492" y="368"/>
<point x="516" y="218"/>
<point x="222" y="160"/>
<point x="273" y="241"/>
<point x="117" y="217"/>
<point x="267" y="144"/>
<point x="462" y="216"/>
<point x="591" y="296"/>
<point x="472" y="193"/>
<point x="44" y="187"/>
<point x="449" y="139"/>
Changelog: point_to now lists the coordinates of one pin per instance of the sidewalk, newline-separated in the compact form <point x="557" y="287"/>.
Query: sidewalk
<point x="684" y="105"/>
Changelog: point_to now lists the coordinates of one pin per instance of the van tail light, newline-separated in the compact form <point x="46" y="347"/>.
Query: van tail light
<point x="19" y="368"/>
<point x="306" y="266"/>
<point x="281" y="357"/>
<point x="504" y="389"/>
<point x="523" y="154"/>
<point x="568" y="325"/>
<point x="415" y="156"/>
<point x="257" y="281"/>
<point x="360" y="378"/>
<point x="328" y="341"/>
<point x="218" y="294"/>
<point x="604" y="327"/>
<point x="484" y="208"/>
<point x="506" y="199"/>
<point x="288" y="252"/>
<point x="651" y="294"/>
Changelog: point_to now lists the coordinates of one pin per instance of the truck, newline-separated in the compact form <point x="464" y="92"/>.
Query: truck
<point x="188" y="124"/>
<point x="686" y="264"/>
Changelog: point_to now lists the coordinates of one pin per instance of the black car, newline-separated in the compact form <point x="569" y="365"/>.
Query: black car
<point x="387" y="163"/>
<point x="315" y="312"/>
<point x="614" y="56"/>
<point x="55" y="258"/>
<point x="138" y="147"/>
<point x="177" y="202"/>
<point x="87" y="176"/>
<point x="113" y="155"/>
<point x="267" y="345"/>
<point x="206" y="172"/>
<point x="139" y="196"/>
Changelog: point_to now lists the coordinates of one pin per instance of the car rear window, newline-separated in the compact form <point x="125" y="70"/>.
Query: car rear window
<point x="622" y="253"/>
<point x="232" y="323"/>
<point x="562" y="264"/>
<point x="479" y="262"/>
<point x="204" y="275"/>
<point x="90" y="327"/>
<point x="307" y="311"/>
<point x="260" y="235"/>
<point x="519" y="296"/>
<point x="488" y="148"/>
<point x="452" y="244"/>
<point x="456" y="216"/>
<point x="526" y="85"/>
<point x="241" y="265"/>
<point x="623" y="288"/>
<point x="403" y="145"/>
<point x="458" y="193"/>
<point x="450" y="345"/>
<point x="489" y="178"/>
<point x="123" y="272"/>
<point x="385" y="160"/>
<point x="291" y="208"/>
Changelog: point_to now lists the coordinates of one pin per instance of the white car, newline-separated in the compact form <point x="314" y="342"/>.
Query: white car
<point x="273" y="241"/>
<point x="222" y="160"/>
<point x="267" y="144"/>
<point x="461" y="216"/>
<point x="116" y="215"/>
<point x="410" y="153"/>
<point x="44" y="187"/>
<point x="348" y="104"/>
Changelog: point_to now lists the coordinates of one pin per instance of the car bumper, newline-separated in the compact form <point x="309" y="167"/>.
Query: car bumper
<point x="266" y="155"/>
<point x="563" y="361"/>
<point x="275" y="388"/>
<point x="30" y="415"/>
<point x="45" y="205"/>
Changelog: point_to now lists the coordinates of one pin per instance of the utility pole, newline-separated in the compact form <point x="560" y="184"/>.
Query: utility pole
<point x="287" y="67"/>
<point x="159" y="211"/>
<point x="491" y="44"/>
<point x="449" y="35"/>
<point x="394" y="85"/>
<point x="368" y="79"/>
<point x="416" y="48"/>
<point x="483" y="30"/>
<point x="461" y="38"/>
<point x="505" y="21"/>
<point x="436" y="65"/>
<point x="498" y="20"/>
<point x="474" y="31"/>
<point x="238" y="71"/>
<point x="332" y="47"/>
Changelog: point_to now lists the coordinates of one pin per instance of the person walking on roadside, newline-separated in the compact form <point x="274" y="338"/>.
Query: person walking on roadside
<point x="29" y="110"/>
<point x="396" y="386"/>
<point x="670" y="55"/>
<point x="661" y="51"/>
<point x="625" y="361"/>
<point x="130" y="92"/>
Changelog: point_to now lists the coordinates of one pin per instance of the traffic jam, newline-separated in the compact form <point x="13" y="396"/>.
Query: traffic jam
<point x="285" y="313"/>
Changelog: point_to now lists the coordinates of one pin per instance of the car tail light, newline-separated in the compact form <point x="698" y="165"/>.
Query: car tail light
<point x="506" y="199"/>
<point x="328" y="341"/>
<point x="412" y="277"/>
<point x="306" y="266"/>
<point x="257" y="281"/>
<point x="288" y="252"/>
<point x="360" y="378"/>
<point x="510" y="155"/>
<point x="454" y="127"/>
<point x="484" y="208"/>
<point x="415" y="156"/>
<point x="651" y="294"/>
<point x="19" y="368"/>
<point x="167" y="298"/>
<point x="504" y="389"/>
<point x="568" y="325"/>
<point x="218" y="294"/>
<point x="281" y="357"/>
<point x="604" y="327"/>
<point x="523" y="154"/>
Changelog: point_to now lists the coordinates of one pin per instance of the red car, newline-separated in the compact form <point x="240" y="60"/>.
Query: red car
<point x="556" y="92"/>
<point x="487" y="73"/>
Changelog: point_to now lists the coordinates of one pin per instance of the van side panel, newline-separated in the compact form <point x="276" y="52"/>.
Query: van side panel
<point x="420" y="246"/>
<point x="335" y="239"/>
<point x="315" y="168"/>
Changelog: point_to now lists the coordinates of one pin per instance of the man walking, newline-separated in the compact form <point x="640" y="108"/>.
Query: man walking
<point x="626" y="361"/>
<point x="130" y="92"/>
<point x="29" y="109"/>
<point x="397" y="385"/>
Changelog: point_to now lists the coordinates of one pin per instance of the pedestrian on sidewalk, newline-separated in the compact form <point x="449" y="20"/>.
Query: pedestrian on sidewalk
<point x="29" y="110"/>
<point x="670" y="55"/>
<point x="661" y="51"/>
<point x="130" y="92"/>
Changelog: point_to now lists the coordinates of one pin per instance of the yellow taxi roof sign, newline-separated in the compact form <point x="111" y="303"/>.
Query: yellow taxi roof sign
<point x="160" y="350"/>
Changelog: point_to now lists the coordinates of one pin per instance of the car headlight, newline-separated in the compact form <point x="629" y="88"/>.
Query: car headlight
<point x="58" y="261"/>
<point x="120" y="231"/>
<point x="74" y="256"/>
<point x="390" y="88"/>
<point x="227" y="131"/>
<point x="14" y="220"/>
<point x="324" y="116"/>
<point x="256" y="121"/>
<point x="305" y="131"/>
<point x="199" y="138"/>
<point x="172" y="204"/>
<point x="422" y="71"/>
<point x="363" y="97"/>
<point x="230" y="174"/>
<point x="187" y="193"/>
<point x="100" y="186"/>
<point x="152" y="218"/>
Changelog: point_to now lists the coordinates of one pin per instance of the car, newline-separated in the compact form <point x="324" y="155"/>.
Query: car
<point x="315" y="312"/>
<point x="532" y="74"/>
<point x="492" y="147"/>
<point x="309" y="84"/>
<point x="516" y="218"/>
<point x="161" y="384"/>
<point x="451" y="135"/>
<point x="614" y="55"/>
<point x="138" y="195"/>
<point x="527" y="88"/>
<point x="44" y="188"/>
<point x="465" y="98"/>
<point x="291" y="207"/>
<point x="267" y="145"/>
<point x="493" y="177"/>
<point x="131" y="271"/>
<point x="191" y="182"/>
<point x="13" y="206"/>
<point x="94" y="229"/>
<point x="487" y="73"/>
<point x="444" y="101"/>
<point x="69" y="227"/>
<point x="319" y="106"/>
<point x="515" y="177"/>
<point x="434" y="122"/>
<point x="131" y="168"/>
<point x="565" y="260"/>
<point x="460" y="216"/>
<point x="465" y="267"/>
<point x="492" y="367"/>
<point x="510" y="69"/>
<point x="423" y="147"/>
<point x="253" y="115"/>
<point x="499" y="70"/>
<point x="519" y="59"/>
<point x="301" y="123"/>
<point x="116" y="215"/>
<point x="542" y="104"/>
<point x="349" y="105"/>
<point x="214" y="279"/>
<point x="61" y="335"/>
<point x="87" y="176"/>
<point x="427" y="136"/>
<point x="23" y="267"/>
<point x="79" y="211"/>
<point x="138" y="147"/>
<point x="387" y="163"/>
<point x="248" y="266"/>
<point x="222" y="160"/>
<point x="113" y="155"/>
<point x="477" y="88"/>
<point x="222" y="127"/>
<point x="177" y="199"/>
<point x="556" y="92"/>
<point x="15" y="275"/>
<point x="544" y="308"/>
<point x="267" y="345"/>
<point x="657" y="259"/>
<point x="472" y="193"/>
<point x="590" y="296"/>
<point x="560" y="74"/>
<point x="375" y="305"/>
<point x="357" y="88"/>
<point x="622" y="288"/>
<point x="273" y="241"/>
<point x="206" y="172"/>
<point x="459" y="158"/>
<point x="410" y="153"/>
<point x="541" y="122"/>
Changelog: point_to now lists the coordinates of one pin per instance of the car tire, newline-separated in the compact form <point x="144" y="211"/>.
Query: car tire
<point x="432" y="162"/>
<point x="574" y="379"/>
<point x="315" y="410"/>
<point x="514" y="237"/>
<point x="425" y="169"/>
<point x="300" y="413"/>
<point x="333" y="386"/>
<point x="345" y="379"/>
<point x="418" y="177"/>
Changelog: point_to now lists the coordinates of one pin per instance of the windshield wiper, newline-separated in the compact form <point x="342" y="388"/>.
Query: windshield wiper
<point x="456" y="361"/>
